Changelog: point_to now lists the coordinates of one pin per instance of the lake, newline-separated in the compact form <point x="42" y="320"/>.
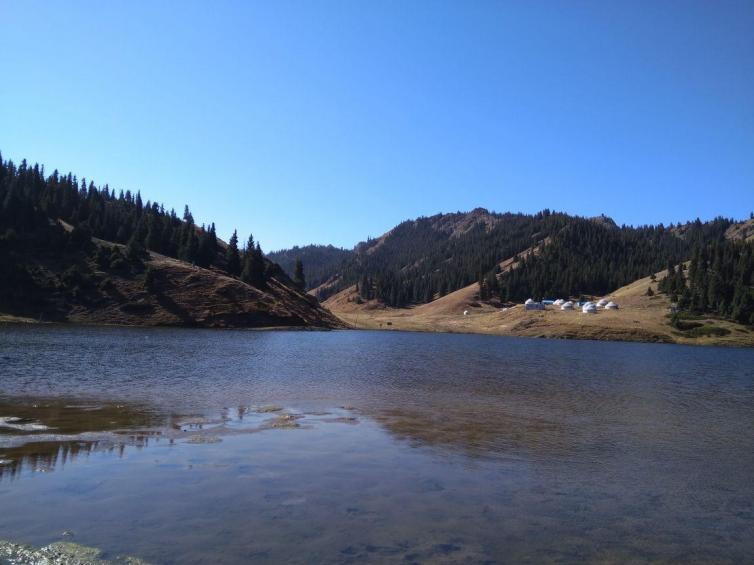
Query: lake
<point x="193" y="446"/>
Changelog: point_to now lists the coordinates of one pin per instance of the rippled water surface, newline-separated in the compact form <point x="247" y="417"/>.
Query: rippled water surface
<point x="191" y="446"/>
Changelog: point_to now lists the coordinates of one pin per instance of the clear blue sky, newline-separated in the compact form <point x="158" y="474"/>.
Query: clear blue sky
<point x="327" y="122"/>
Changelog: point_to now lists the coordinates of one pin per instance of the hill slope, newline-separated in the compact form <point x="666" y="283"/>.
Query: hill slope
<point x="720" y="272"/>
<point x="170" y="272"/>
<point x="320" y="261"/>
<point x="640" y="318"/>
<point x="420" y="260"/>
<point x="79" y="286"/>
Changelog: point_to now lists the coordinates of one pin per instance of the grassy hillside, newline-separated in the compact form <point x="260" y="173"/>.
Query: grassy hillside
<point x="640" y="318"/>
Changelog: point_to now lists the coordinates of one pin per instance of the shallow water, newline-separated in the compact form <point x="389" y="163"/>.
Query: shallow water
<point x="167" y="444"/>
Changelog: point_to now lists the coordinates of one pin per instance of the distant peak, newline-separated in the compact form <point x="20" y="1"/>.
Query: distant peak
<point x="603" y="220"/>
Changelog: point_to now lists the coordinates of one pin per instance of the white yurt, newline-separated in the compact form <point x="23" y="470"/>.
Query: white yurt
<point x="589" y="308"/>
<point x="558" y="302"/>
<point x="531" y="305"/>
<point x="602" y="302"/>
<point x="567" y="305"/>
<point x="611" y="306"/>
<point x="529" y="301"/>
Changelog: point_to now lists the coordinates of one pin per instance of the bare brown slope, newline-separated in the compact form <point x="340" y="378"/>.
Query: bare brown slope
<point x="187" y="295"/>
<point x="640" y="318"/>
<point x="179" y="294"/>
<point x="741" y="230"/>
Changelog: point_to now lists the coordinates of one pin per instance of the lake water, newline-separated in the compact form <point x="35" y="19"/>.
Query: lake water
<point x="167" y="444"/>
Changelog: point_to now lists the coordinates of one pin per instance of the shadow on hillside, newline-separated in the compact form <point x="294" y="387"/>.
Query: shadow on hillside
<point x="174" y="308"/>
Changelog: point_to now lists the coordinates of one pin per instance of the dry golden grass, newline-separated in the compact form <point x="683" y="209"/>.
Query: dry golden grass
<point x="640" y="318"/>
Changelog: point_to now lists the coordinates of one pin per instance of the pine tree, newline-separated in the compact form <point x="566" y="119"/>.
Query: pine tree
<point x="253" y="265"/>
<point x="298" y="275"/>
<point x="232" y="257"/>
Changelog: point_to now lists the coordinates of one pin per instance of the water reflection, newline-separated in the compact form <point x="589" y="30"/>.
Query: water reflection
<point x="44" y="434"/>
<point x="193" y="447"/>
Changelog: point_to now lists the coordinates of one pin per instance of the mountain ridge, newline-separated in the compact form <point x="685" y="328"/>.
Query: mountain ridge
<point x="575" y="257"/>
<point x="475" y="234"/>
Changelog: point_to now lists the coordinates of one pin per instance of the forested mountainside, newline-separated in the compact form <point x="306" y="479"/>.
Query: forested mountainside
<point x="431" y="256"/>
<point x="421" y="260"/>
<point x="74" y="251"/>
<point x="319" y="262"/>
<point x="719" y="280"/>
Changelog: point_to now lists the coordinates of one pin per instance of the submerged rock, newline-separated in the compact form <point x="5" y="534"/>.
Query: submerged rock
<point x="191" y="421"/>
<point x="199" y="439"/>
<point x="343" y="420"/>
<point x="285" y="421"/>
<point x="22" y="424"/>
<point x="269" y="408"/>
<point x="59" y="553"/>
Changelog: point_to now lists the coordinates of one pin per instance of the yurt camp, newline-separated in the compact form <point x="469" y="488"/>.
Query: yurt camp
<point x="589" y="308"/>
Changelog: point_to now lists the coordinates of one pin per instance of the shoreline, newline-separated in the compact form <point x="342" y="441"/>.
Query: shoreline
<point x="548" y="325"/>
<point x="607" y="335"/>
<point x="558" y="337"/>
<point x="20" y="321"/>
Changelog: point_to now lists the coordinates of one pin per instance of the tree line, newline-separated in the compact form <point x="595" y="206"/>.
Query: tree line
<point x="590" y="258"/>
<point x="32" y="204"/>
<point x="423" y="259"/>
<point x="719" y="280"/>
<point x="321" y="262"/>
<point x="420" y="260"/>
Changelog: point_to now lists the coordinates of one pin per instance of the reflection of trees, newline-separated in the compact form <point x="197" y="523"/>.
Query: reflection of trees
<point x="46" y="456"/>
<point x="75" y="428"/>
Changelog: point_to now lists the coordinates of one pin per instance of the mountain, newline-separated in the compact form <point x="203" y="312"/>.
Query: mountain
<point x="75" y="252"/>
<point x="421" y="260"/>
<point x="319" y="261"/>
<point x="507" y="258"/>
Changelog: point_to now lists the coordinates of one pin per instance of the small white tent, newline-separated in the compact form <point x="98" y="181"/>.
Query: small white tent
<point x="567" y="306"/>
<point x="611" y="306"/>
<point x="559" y="302"/>
<point x="529" y="301"/>
<point x="589" y="308"/>
<point x="531" y="305"/>
<point x="465" y="312"/>
<point x="602" y="302"/>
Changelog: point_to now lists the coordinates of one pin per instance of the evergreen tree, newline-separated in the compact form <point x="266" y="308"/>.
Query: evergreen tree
<point x="298" y="276"/>
<point x="253" y="271"/>
<point x="232" y="257"/>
